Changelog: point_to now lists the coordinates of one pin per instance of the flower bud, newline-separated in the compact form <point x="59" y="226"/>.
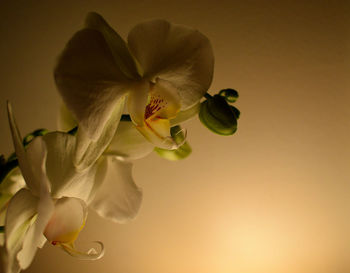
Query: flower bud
<point x="229" y="94"/>
<point x="218" y="116"/>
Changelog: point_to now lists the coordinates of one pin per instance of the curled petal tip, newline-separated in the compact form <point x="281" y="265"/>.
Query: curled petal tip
<point x="177" y="138"/>
<point x="91" y="255"/>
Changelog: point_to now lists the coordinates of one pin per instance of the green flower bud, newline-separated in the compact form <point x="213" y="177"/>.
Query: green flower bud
<point x="217" y="115"/>
<point x="180" y="153"/>
<point x="229" y="94"/>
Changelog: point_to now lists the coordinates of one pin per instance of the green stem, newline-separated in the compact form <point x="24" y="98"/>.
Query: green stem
<point x="208" y="96"/>
<point x="125" y="118"/>
<point x="7" y="168"/>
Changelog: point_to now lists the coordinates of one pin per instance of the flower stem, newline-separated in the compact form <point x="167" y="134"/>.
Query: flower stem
<point x="125" y="118"/>
<point x="7" y="168"/>
<point x="208" y="96"/>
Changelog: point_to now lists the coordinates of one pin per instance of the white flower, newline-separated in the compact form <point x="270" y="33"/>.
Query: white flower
<point x="118" y="198"/>
<point x="163" y="70"/>
<point x="54" y="200"/>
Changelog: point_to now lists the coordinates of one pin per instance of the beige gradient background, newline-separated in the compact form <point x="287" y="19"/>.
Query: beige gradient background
<point x="273" y="198"/>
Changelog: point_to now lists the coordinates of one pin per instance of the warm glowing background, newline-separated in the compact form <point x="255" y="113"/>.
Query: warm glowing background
<point x="273" y="198"/>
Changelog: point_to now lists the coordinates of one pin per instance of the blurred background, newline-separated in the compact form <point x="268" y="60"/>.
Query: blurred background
<point x="274" y="197"/>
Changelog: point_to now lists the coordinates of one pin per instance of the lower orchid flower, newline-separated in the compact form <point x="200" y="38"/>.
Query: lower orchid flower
<point x="118" y="198"/>
<point x="162" y="72"/>
<point x="52" y="206"/>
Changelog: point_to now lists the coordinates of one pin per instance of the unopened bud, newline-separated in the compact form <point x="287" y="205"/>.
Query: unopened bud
<point x="217" y="115"/>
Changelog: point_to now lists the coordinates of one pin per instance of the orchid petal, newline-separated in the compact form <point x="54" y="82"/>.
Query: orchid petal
<point x="118" y="198"/>
<point x="63" y="175"/>
<point x="185" y="115"/>
<point x="128" y="143"/>
<point x="88" y="151"/>
<point x="116" y="44"/>
<point x="25" y="166"/>
<point x="67" y="220"/>
<point x="90" y="255"/>
<point x="36" y="154"/>
<point x="97" y="174"/>
<point x="59" y="163"/>
<point x="12" y="183"/>
<point x="180" y="55"/>
<point x="20" y="216"/>
<point x="31" y="162"/>
<point x="137" y="101"/>
<point x="34" y="237"/>
<point x="90" y="81"/>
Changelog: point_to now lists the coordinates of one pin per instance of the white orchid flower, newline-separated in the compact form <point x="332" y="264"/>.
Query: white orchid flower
<point x="163" y="70"/>
<point x="118" y="198"/>
<point x="53" y="204"/>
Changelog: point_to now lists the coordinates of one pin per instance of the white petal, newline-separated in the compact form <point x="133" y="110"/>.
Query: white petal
<point x="116" y="44"/>
<point x="137" y="101"/>
<point x="90" y="255"/>
<point x="90" y="80"/>
<point x="128" y="143"/>
<point x="185" y="115"/>
<point x="31" y="162"/>
<point x="97" y="175"/>
<point x="20" y="152"/>
<point x="118" y="198"/>
<point x="65" y="179"/>
<point x="181" y="55"/>
<point x="59" y="164"/>
<point x="12" y="183"/>
<point x="20" y="215"/>
<point x="36" y="156"/>
<point x="34" y="237"/>
<point x="67" y="220"/>
<point x="87" y="150"/>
